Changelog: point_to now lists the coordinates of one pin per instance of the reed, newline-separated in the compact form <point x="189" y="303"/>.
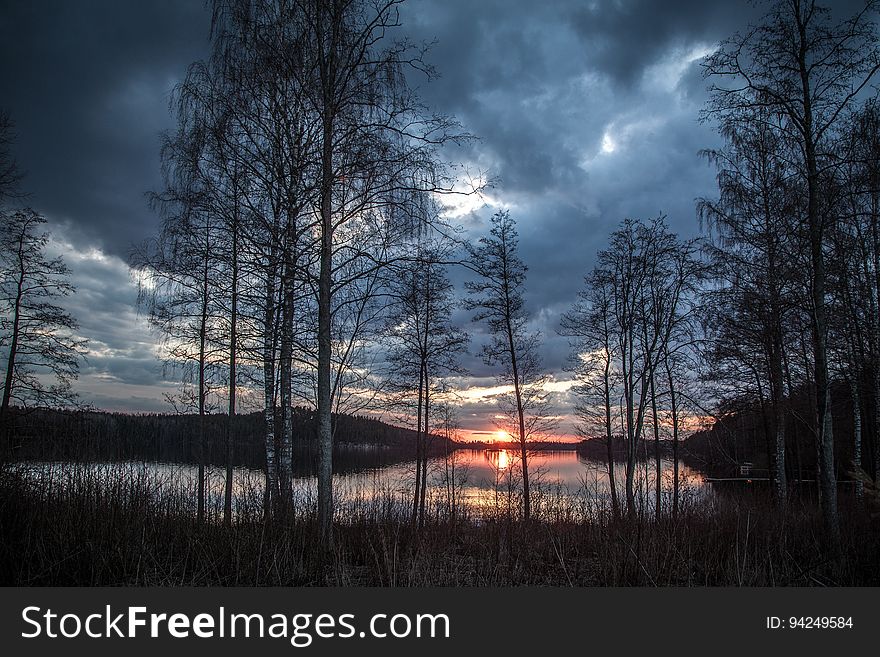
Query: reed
<point x="112" y="526"/>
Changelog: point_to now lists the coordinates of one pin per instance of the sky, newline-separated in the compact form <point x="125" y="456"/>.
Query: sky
<point x="586" y="113"/>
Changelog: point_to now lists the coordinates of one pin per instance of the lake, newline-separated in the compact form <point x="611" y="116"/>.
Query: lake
<point x="480" y="483"/>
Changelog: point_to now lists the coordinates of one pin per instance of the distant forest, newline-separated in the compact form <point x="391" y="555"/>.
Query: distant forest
<point x="740" y="434"/>
<point x="88" y="435"/>
<point x="737" y="436"/>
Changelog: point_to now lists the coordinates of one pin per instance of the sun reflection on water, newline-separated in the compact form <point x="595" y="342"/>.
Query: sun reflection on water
<point x="499" y="458"/>
<point x="483" y="480"/>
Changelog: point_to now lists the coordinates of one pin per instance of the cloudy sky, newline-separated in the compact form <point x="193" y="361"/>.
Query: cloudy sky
<point x="586" y="113"/>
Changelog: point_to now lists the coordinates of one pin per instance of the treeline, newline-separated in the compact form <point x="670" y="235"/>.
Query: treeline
<point x="795" y="232"/>
<point x="85" y="435"/>
<point x="740" y="435"/>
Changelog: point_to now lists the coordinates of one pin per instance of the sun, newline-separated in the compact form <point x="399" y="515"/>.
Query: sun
<point x="502" y="436"/>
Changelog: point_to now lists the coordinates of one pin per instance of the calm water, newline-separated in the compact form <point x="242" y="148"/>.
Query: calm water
<point x="479" y="482"/>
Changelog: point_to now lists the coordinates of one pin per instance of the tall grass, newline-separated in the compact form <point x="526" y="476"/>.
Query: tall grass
<point x="122" y="526"/>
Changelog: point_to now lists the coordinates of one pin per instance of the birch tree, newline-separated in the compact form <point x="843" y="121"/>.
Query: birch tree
<point x="752" y="260"/>
<point x="497" y="298"/>
<point x="377" y="145"/>
<point x="798" y="64"/>
<point x="858" y="248"/>
<point x="588" y="324"/>
<point x="37" y="335"/>
<point x="424" y="347"/>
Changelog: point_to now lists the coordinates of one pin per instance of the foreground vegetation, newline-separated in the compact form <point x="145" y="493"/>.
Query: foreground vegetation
<point x="126" y="530"/>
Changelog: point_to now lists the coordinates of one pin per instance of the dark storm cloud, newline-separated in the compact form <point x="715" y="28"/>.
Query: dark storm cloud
<point x="586" y="113"/>
<point x="622" y="38"/>
<point x="527" y="77"/>
<point x="88" y="84"/>
<point x="544" y="86"/>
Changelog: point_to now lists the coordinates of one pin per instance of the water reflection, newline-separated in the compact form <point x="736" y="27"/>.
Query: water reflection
<point x="477" y="482"/>
<point x="499" y="458"/>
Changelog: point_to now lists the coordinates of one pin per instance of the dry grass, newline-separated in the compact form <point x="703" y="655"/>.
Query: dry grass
<point x="117" y="528"/>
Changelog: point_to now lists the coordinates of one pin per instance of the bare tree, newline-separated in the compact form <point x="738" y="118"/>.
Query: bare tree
<point x="175" y="274"/>
<point x="424" y="346"/>
<point x="497" y="298"/>
<point x="37" y="334"/>
<point x="239" y="160"/>
<point x="376" y="144"/>
<point x="752" y="259"/>
<point x="454" y="471"/>
<point x="261" y="136"/>
<point x="677" y="306"/>
<point x="313" y="156"/>
<point x="849" y="323"/>
<point x="636" y="313"/>
<point x="593" y="361"/>
<point x="856" y="241"/>
<point x="799" y="65"/>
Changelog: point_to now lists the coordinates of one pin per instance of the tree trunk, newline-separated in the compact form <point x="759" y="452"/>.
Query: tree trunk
<point x="609" y="440"/>
<point x="429" y="319"/>
<point x="779" y="479"/>
<point x="325" y="345"/>
<point x="768" y="431"/>
<point x="271" y="492"/>
<point x="425" y="434"/>
<point x="527" y="506"/>
<point x="203" y="334"/>
<point x="857" y="428"/>
<point x="233" y="341"/>
<point x="520" y="411"/>
<point x="875" y="325"/>
<point x="827" y="474"/>
<point x="418" y="484"/>
<point x="285" y="464"/>
<point x="658" y="481"/>
<point x="631" y="437"/>
<point x="630" y="472"/>
<point x="5" y="423"/>
<point x="674" y="408"/>
<point x="779" y="482"/>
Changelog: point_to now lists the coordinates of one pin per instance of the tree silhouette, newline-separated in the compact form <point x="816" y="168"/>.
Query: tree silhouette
<point x="797" y="64"/>
<point x="423" y="346"/>
<point x="752" y="260"/>
<point x="497" y="297"/>
<point x="39" y="336"/>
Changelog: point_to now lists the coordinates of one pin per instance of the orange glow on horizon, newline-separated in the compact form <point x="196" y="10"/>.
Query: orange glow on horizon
<point x="501" y="436"/>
